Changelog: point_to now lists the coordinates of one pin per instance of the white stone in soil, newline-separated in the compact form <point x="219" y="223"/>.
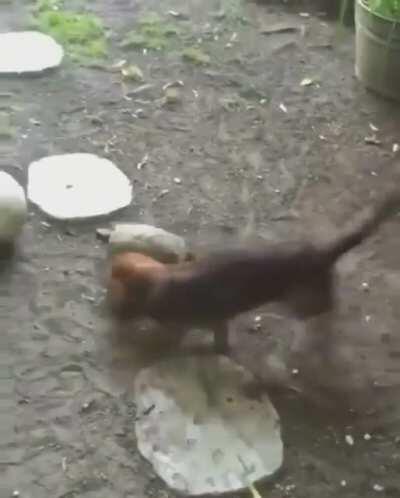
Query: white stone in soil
<point x="13" y="208"/>
<point x="203" y="435"/>
<point x="77" y="186"/>
<point x="28" y="52"/>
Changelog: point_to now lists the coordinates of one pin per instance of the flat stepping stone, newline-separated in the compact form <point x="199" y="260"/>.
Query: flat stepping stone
<point x="199" y="430"/>
<point x="28" y="52"/>
<point x="77" y="186"/>
<point x="13" y="208"/>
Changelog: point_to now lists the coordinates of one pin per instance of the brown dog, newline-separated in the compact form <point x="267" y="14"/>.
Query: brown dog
<point x="213" y="290"/>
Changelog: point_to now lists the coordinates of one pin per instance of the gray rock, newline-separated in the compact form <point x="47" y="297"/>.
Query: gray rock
<point x="199" y="430"/>
<point x="13" y="208"/>
<point x="147" y="239"/>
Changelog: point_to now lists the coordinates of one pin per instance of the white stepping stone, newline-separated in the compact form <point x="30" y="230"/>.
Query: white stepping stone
<point x="198" y="429"/>
<point x="77" y="186"/>
<point x="13" y="208"/>
<point x="28" y="52"/>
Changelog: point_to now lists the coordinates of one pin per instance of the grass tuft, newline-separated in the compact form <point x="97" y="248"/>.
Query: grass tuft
<point x="82" y="34"/>
<point x="152" y="33"/>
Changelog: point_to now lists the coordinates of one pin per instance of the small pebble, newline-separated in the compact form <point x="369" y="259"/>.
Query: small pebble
<point x="367" y="437"/>
<point x="177" y="180"/>
<point x="365" y="286"/>
<point x="283" y="108"/>
<point x="343" y="483"/>
<point x="15" y="493"/>
<point x="295" y="371"/>
<point x="378" y="488"/>
<point x="257" y="324"/>
<point x="349" y="440"/>
<point x="372" y="140"/>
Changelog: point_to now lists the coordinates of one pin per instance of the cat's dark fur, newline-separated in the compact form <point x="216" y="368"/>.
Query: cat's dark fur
<point x="213" y="290"/>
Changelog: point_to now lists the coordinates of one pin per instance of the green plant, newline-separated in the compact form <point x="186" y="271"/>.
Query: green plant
<point x="386" y="8"/>
<point x="81" y="34"/>
<point x="151" y="33"/>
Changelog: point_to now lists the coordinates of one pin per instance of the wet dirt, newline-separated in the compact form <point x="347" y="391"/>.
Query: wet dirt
<point x="255" y="152"/>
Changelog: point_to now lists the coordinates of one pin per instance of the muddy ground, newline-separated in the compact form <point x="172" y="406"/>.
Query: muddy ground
<point x="245" y="167"/>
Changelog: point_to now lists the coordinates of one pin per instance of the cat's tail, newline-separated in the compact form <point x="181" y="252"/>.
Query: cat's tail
<point x="360" y="230"/>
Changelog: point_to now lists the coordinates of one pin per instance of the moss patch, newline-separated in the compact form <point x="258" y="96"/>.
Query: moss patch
<point x="82" y="34"/>
<point x="153" y="33"/>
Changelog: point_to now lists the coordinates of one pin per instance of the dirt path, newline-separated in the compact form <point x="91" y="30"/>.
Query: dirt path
<point x="295" y="163"/>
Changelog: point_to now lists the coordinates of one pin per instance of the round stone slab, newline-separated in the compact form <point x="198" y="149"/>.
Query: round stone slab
<point x="199" y="430"/>
<point x="13" y="208"/>
<point x="77" y="186"/>
<point x="28" y="52"/>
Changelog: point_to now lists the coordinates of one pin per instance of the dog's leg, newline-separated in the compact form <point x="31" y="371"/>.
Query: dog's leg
<point x="221" y="337"/>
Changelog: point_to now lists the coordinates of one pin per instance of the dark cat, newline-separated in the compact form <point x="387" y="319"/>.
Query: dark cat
<point x="213" y="290"/>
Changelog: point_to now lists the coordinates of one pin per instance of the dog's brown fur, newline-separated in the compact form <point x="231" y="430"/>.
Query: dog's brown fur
<point x="213" y="290"/>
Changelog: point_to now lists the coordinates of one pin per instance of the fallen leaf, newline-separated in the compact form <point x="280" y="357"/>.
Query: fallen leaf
<point x="372" y="140"/>
<point x="171" y="96"/>
<point x="281" y="27"/>
<point x="283" y="108"/>
<point x="132" y="72"/>
<point x="173" y="84"/>
<point x="178" y="15"/>
<point x="142" y="163"/>
<point x="196" y="56"/>
<point x="306" y="82"/>
<point x="349" y="440"/>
